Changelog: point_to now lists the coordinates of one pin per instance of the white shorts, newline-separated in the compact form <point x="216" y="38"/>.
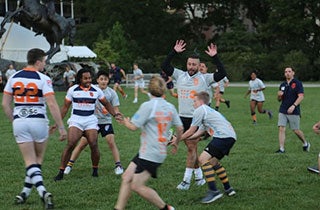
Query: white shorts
<point x="30" y="129"/>
<point x="139" y="84"/>
<point x="84" y="123"/>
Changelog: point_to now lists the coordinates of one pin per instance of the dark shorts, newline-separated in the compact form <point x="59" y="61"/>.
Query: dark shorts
<point x="186" y="121"/>
<point x="142" y="165"/>
<point x="221" y="92"/>
<point x="105" y="129"/>
<point x="117" y="81"/>
<point x="170" y="85"/>
<point x="219" y="147"/>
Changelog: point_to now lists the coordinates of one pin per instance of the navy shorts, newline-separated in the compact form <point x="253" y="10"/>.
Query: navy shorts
<point x="142" y="165"/>
<point x="170" y="85"/>
<point x="219" y="147"/>
<point x="105" y="129"/>
<point x="186" y="122"/>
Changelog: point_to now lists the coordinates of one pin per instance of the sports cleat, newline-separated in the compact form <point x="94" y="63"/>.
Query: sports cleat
<point x="58" y="177"/>
<point x="254" y="122"/>
<point x="211" y="196"/>
<point x="125" y="96"/>
<point x="280" y="151"/>
<point x="230" y="191"/>
<point x="135" y="101"/>
<point x="95" y="173"/>
<point x="67" y="170"/>
<point x="183" y="186"/>
<point x="200" y="182"/>
<point x="47" y="199"/>
<point x="270" y="114"/>
<point x="118" y="170"/>
<point x="228" y="103"/>
<point x="306" y="148"/>
<point x="170" y="207"/>
<point x="21" y="199"/>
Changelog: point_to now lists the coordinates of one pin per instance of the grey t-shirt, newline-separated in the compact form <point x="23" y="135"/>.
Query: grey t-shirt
<point x="213" y="122"/>
<point x="101" y="113"/>
<point x="187" y="87"/>
<point x="155" y="117"/>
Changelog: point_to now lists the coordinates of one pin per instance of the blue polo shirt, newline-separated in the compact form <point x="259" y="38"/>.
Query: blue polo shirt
<point x="290" y="94"/>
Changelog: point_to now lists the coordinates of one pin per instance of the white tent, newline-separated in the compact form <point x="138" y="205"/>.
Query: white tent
<point x="17" y="40"/>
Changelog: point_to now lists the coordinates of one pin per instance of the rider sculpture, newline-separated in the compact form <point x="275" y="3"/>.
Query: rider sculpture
<point x="43" y="18"/>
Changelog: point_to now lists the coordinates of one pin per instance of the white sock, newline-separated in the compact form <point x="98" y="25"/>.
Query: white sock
<point x="188" y="175"/>
<point x="198" y="173"/>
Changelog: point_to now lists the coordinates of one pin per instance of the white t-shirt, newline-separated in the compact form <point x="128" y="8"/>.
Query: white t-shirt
<point x="256" y="85"/>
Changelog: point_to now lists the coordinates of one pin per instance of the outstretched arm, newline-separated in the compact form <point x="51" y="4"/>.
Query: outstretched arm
<point x="166" y="66"/>
<point x="221" y="72"/>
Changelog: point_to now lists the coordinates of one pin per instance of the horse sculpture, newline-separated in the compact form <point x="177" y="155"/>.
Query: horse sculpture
<point x="34" y="14"/>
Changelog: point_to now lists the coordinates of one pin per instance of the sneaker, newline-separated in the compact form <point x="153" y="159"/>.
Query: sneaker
<point x="58" y="177"/>
<point x="270" y="114"/>
<point x="306" y="148"/>
<point x="125" y="96"/>
<point x="20" y="199"/>
<point x="95" y="173"/>
<point x="228" y="103"/>
<point x="170" y="207"/>
<point x="135" y="101"/>
<point x="67" y="170"/>
<point x="47" y="199"/>
<point x="211" y="196"/>
<point x="183" y="186"/>
<point x="118" y="170"/>
<point x="200" y="182"/>
<point x="230" y="191"/>
<point x="254" y="122"/>
<point x="280" y="151"/>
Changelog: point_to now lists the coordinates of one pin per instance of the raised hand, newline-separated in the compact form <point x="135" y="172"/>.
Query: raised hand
<point x="180" y="46"/>
<point x="212" y="50"/>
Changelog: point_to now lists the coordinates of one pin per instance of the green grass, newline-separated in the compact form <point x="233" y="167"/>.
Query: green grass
<point x="262" y="179"/>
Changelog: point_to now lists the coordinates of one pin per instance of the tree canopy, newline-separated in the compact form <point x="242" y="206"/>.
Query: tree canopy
<point x="262" y="35"/>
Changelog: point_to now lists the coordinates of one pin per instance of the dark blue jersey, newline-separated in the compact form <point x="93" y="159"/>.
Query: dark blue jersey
<point x="291" y="91"/>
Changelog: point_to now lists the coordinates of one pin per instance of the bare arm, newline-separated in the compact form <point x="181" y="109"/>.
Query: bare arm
<point x="126" y="122"/>
<point x="296" y="103"/>
<point x="189" y="132"/>
<point x="55" y="112"/>
<point x="316" y="128"/>
<point x="65" y="108"/>
<point x="196" y="135"/>
<point x="7" y="106"/>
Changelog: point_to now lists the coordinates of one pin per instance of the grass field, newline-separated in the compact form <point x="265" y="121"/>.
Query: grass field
<point x="261" y="178"/>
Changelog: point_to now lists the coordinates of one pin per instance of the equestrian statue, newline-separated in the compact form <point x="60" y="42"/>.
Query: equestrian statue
<point x="42" y="17"/>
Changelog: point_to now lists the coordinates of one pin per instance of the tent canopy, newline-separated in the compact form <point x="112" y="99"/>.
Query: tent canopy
<point x="18" y="40"/>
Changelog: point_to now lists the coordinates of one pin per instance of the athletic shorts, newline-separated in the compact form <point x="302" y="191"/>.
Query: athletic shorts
<point x="219" y="147"/>
<point x="221" y="92"/>
<point x="139" y="84"/>
<point x="105" y="129"/>
<point x="186" y="121"/>
<point x="83" y="124"/>
<point x="293" y="120"/>
<point x="30" y="130"/>
<point x="117" y="81"/>
<point x="257" y="101"/>
<point x="149" y="166"/>
<point x="170" y="85"/>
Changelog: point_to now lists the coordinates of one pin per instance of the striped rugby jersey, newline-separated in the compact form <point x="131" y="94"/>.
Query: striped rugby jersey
<point x="29" y="88"/>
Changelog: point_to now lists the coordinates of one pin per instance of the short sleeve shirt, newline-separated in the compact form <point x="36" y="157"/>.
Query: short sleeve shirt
<point x="155" y="117"/>
<point x="291" y="91"/>
<point x="187" y="87"/>
<point x="29" y="88"/>
<point x="256" y="85"/>
<point x="104" y="117"/>
<point x="213" y="122"/>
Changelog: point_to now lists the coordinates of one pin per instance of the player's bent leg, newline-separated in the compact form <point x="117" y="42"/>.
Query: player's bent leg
<point x="149" y="194"/>
<point x="125" y="188"/>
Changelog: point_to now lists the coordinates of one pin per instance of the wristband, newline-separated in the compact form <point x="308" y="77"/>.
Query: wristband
<point x="294" y="105"/>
